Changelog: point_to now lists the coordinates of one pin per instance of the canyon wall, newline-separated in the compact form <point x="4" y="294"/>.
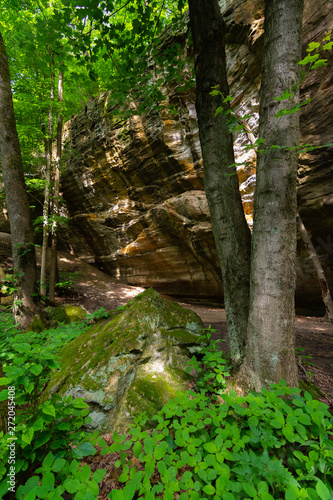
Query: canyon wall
<point x="134" y="187"/>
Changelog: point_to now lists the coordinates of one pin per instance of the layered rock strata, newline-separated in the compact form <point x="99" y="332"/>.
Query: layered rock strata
<point x="134" y="188"/>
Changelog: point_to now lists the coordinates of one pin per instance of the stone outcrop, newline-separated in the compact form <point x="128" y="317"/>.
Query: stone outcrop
<point x="134" y="188"/>
<point x="133" y="361"/>
<point x="68" y="313"/>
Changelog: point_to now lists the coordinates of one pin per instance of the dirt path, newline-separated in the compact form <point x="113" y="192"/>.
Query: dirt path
<point x="312" y="335"/>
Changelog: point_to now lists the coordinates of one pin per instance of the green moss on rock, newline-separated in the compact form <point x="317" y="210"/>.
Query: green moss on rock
<point x="38" y="325"/>
<point x="133" y="361"/>
<point x="68" y="313"/>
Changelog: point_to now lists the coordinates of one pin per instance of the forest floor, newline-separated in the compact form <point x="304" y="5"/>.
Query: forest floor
<point x="94" y="289"/>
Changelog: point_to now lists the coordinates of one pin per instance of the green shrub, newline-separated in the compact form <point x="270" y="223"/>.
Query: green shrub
<point x="265" y="446"/>
<point x="46" y="440"/>
<point x="207" y="445"/>
<point x="212" y="367"/>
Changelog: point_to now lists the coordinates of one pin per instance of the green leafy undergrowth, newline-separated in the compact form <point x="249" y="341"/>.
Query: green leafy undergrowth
<point x="211" y="365"/>
<point x="42" y="440"/>
<point x="263" y="446"/>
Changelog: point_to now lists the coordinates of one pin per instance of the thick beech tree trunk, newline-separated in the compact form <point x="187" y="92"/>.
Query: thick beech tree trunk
<point x="270" y="351"/>
<point x="55" y="212"/>
<point x="23" y="248"/>
<point x="231" y="233"/>
<point x="325" y="292"/>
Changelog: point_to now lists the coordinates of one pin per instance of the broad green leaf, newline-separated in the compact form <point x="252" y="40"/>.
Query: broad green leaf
<point x="286" y="95"/>
<point x="209" y="489"/>
<point x="277" y="424"/>
<point x="210" y="447"/>
<point x="71" y="485"/>
<point x="262" y="487"/>
<point x="4" y="395"/>
<point x="328" y="46"/>
<point x="126" y="445"/>
<point x="249" y="489"/>
<point x="28" y="435"/>
<point x="288" y="432"/>
<point x="137" y="449"/>
<point x="322" y="490"/>
<point x="309" y="59"/>
<point x="79" y="403"/>
<point x="98" y="475"/>
<point x="312" y="46"/>
<point x="228" y="496"/>
<point x="266" y="496"/>
<point x="48" y="461"/>
<point x="160" y="451"/>
<point x="31" y="483"/>
<point x="58" y="464"/>
<point x="48" y="481"/>
<point x="319" y="63"/>
<point x="64" y="426"/>
<point x="149" y="468"/>
<point x="49" y="410"/>
<point x="84" y="450"/>
<point x="116" y="495"/>
<point x="41" y="439"/>
<point x="84" y="474"/>
<point x="24" y="347"/>
<point x="32" y="494"/>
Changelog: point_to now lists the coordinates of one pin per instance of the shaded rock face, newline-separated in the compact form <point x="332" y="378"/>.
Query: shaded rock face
<point x="134" y="361"/>
<point x="135" y="189"/>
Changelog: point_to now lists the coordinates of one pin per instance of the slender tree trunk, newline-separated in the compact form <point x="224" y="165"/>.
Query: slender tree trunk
<point x="23" y="248"/>
<point x="231" y="233"/>
<point x="53" y="265"/>
<point x="48" y="165"/>
<point x="270" y="353"/>
<point x="325" y="292"/>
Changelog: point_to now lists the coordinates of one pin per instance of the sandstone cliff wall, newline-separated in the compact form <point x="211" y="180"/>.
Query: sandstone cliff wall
<point x="134" y="188"/>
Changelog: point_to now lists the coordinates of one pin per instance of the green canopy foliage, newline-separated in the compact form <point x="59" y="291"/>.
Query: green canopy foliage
<point x="109" y="45"/>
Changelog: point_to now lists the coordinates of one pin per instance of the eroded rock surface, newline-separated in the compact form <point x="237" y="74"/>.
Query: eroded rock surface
<point x="135" y="189"/>
<point x="131" y="362"/>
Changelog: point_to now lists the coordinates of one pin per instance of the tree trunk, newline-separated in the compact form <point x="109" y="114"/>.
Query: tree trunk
<point x="231" y="233"/>
<point x="23" y="248"/>
<point x="270" y="353"/>
<point x="53" y="264"/>
<point x="48" y="165"/>
<point x="325" y="292"/>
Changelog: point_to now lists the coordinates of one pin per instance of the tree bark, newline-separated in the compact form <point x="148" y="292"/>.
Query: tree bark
<point x="270" y="353"/>
<point x="23" y="248"/>
<point x="231" y="232"/>
<point x="325" y="292"/>
<point x="48" y="165"/>
<point x="53" y="264"/>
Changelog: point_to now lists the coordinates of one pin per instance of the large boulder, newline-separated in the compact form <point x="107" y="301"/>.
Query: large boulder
<point x="68" y="313"/>
<point x="131" y="362"/>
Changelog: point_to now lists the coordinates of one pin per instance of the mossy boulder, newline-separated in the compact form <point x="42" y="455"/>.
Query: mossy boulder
<point x="68" y="313"/>
<point x="133" y="361"/>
